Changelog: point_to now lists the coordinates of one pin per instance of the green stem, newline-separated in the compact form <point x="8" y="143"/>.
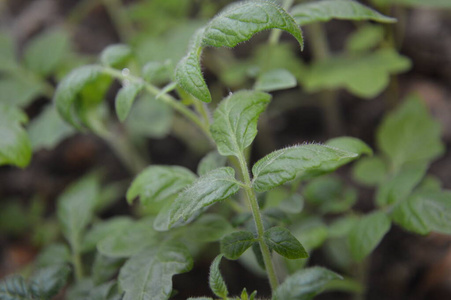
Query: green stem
<point x="253" y="203"/>
<point x="168" y="99"/>
<point x="78" y="266"/>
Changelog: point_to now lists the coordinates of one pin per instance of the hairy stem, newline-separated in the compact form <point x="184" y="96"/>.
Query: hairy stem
<point x="168" y="99"/>
<point x="253" y="203"/>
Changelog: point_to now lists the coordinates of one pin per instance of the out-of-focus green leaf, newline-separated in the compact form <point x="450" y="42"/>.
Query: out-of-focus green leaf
<point x="370" y="171"/>
<point x="116" y="56"/>
<point x="47" y="282"/>
<point x="274" y="80"/>
<point x="415" y="3"/>
<point x="365" y="38"/>
<point x="8" y="59"/>
<point x="102" y="230"/>
<point x="209" y="228"/>
<point x="14" y="288"/>
<point x="125" y="98"/>
<point x="211" y="161"/>
<point x="19" y="91"/>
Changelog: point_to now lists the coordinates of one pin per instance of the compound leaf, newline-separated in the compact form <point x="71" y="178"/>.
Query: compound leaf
<point x="367" y="234"/>
<point x="283" y="242"/>
<point x="15" y="146"/>
<point x="410" y="133"/>
<point x="283" y="165"/>
<point x="215" y="280"/>
<point x="326" y="10"/>
<point x="157" y="183"/>
<point x="148" y="275"/>
<point x="214" y="186"/>
<point x="235" y="121"/>
<point x="304" y="284"/>
<point x="234" y="244"/>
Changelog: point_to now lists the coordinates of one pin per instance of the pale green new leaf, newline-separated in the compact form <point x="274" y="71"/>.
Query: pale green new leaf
<point x="239" y="22"/>
<point x="367" y="234"/>
<point x="14" y="288"/>
<point x="48" y="129"/>
<point x="283" y="242"/>
<point x="304" y="284"/>
<point x="425" y="212"/>
<point x="125" y="98"/>
<point x="283" y="165"/>
<point x="45" y="52"/>
<point x="47" y="282"/>
<point x="80" y="91"/>
<point x="235" y="120"/>
<point x="398" y="186"/>
<point x="370" y="171"/>
<point x="75" y="209"/>
<point x="215" y="280"/>
<point x="116" y="56"/>
<point x="365" y="75"/>
<point x="129" y="240"/>
<point x="326" y="10"/>
<point x="15" y="146"/>
<point x="211" y="161"/>
<point x="157" y="183"/>
<point x="148" y="275"/>
<point x="274" y="80"/>
<point x="410" y="133"/>
<point x="214" y="186"/>
<point x="234" y="244"/>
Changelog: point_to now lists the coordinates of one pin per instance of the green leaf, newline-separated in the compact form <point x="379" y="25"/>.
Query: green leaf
<point x="234" y="124"/>
<point x="8" y="59"/>
<point x="52" y="255"/>
<point x="415" y="3"/>
<point x="104" y="268"/>
<point x="410" y="133"/>
<point x="342" y="226"/>
<point x="365" y="38"/>
<point x="116" y="56"/>
<point x="46" y="283"/>
<point x="365" y="75"/>
<point x="424" y="212"/>
<point x="157" y="72"/>
<point x="128" y="241"/>
<point x="283" y="165"/>
<point x="234" y="244"/>
<point x="148" y="275"/>
<point x="125" y="98"/>
<point x="283" y="242"/>
<point x="157" y="183"/>
<point x="15" y="146"/>
<point x="304" y="284"/>
<point x="215" y="280"/>
<point x="79" y="92"/>
<point x="14" y="288"/>
<point x="367" y="234"/>
<point x="199" y="298"/>
<point x="237" y="23"/>
<point x="20" y="91"/>
<point x="75" y="209"/>
<point x="214" y="186"/>
<point x="279" y="79"/>
<point x="211" y="161"/>
<point x="209" y="228"/>
<point x="45" y="52"/>
<point x="398" y="186"/>
<point x="101" y="292"/>
<point x="48" y="129"/>
<point x="149" y="117"/>
<point x="370" y="171"/>
<point x="102" y="230"/>
<point x="326" y="10"/>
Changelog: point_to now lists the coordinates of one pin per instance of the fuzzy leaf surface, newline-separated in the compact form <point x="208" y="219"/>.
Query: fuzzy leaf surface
<point x="235" y="120"/>
<point x="367" y="234"/>
<point x="283" y="242"/>
<point x="125" y="98"/>
<point x="326" y="10"/>
<point x="148" y="275"/>
<point x="14" y="288"/>
<point x="283" y="165"/>
<point x="234" y="244"/>
<point x="214" y="186"/>
<point x="215" y="280"/>
<point x="15" y="146"/>
<point x="157" y="183"/>
<point x="410" y="133"/>
<point x="304" y="284"/>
